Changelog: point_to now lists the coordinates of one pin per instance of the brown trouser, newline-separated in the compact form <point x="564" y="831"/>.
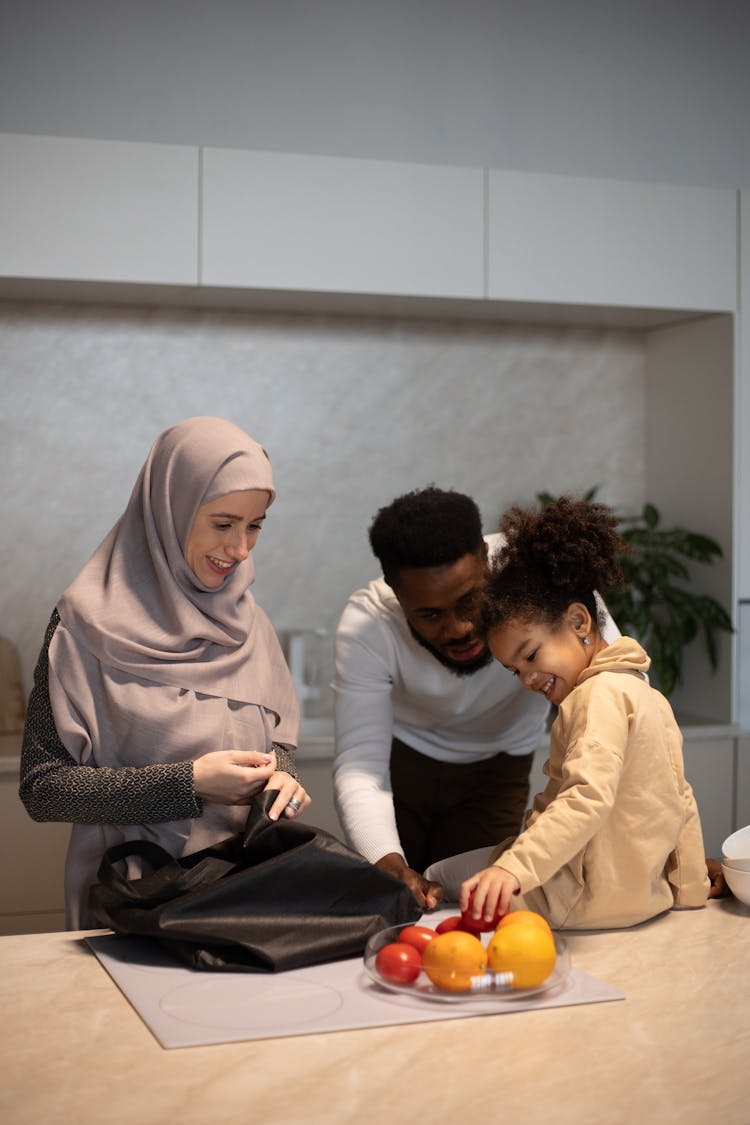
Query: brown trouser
<point x="443" y="808"/>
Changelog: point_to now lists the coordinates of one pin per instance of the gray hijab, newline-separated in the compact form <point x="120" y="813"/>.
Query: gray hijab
<point x="137" y="606"/>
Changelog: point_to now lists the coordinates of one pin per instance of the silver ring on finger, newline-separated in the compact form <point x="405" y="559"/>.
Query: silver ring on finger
<point x="294" y="805"/>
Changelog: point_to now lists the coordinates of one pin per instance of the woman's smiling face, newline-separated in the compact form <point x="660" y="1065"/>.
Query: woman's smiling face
<point x="223" y="534"/>
<point x="546" y="658"/>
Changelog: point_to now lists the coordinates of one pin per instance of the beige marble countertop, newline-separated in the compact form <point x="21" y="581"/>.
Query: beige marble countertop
<point x="677" y="1049"/>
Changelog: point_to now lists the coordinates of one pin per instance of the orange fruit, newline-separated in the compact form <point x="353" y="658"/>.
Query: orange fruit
<point x="524" y="917"/>
<point x="452" y="959"/>
<point x="528" y="951"/>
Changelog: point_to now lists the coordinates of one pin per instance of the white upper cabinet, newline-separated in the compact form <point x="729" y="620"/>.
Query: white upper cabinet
<point x="285" y="221"/>
<point x="88" y="210"/>
<point x="606" y="242"/>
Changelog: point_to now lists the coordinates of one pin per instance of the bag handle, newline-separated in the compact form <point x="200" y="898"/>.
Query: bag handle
<point x="263" y="837"/>
<point x="151" y="888"/>
<point x="108" y="876"/>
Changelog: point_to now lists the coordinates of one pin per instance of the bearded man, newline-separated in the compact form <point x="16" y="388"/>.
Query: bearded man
<point x="434" y="739"/>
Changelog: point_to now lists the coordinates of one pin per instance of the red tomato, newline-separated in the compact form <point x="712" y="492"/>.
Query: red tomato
<point x="418" y="936"/>
<point x="455" y="922"/>
<point x="398" y="962"/>
<point x="478" y="925"/>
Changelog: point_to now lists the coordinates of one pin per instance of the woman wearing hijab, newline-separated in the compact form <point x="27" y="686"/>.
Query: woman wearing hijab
<point x="162" y="703"/>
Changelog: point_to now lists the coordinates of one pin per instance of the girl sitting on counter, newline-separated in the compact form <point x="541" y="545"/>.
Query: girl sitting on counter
<point x="615" y="837"/>
<point x="162" y="703"/>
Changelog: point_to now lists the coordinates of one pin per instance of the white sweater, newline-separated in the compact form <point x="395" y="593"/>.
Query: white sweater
<point x="386" y="684"/>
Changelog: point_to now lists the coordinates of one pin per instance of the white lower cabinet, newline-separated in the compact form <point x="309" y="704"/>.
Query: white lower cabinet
<point x="742" y="407"/>
<point x="709" y="767"/>
<point x="742" y="803"/>
<point x="32" y="864"/>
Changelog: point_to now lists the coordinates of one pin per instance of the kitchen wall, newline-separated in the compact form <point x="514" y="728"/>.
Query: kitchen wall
<point x="637" y="90"/>
<point x="353" y="411"/>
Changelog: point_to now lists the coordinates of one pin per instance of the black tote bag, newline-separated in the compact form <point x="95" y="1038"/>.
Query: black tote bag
<point x="280" y="895"/>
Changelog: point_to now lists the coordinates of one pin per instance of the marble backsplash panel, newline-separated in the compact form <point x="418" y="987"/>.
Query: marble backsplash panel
<point x="353" y="411"/>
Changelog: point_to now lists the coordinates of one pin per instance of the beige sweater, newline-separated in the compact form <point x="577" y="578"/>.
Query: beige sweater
<point x="615" y="837"/>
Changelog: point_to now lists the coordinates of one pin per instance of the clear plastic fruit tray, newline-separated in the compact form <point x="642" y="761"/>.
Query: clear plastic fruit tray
<point x="423" y="989"/>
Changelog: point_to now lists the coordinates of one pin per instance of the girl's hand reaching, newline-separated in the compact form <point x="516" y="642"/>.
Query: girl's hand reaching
<point x="493" y="889"/>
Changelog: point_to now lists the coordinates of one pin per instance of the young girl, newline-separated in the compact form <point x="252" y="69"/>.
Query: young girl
<point x="615" y="837"/>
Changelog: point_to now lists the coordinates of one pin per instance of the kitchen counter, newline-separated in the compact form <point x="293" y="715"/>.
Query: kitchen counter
<point x="676" y="1049"/>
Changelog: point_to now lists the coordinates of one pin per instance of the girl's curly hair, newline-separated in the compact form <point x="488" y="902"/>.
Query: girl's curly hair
<point x="553" y="556"/>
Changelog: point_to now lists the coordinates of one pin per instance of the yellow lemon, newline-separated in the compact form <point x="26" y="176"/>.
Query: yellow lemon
<point x="527" y="951"/>
<point x="524" y="917"/>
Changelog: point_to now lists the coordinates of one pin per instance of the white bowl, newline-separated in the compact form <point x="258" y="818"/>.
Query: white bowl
<point x="737" y="864"/>
<point x="736" y="848"/>
<point x="739" y="883"/>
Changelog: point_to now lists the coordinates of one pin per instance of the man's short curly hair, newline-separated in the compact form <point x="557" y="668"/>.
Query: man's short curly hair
<point x="427" y="527"/>
<point x="553" y="556"/>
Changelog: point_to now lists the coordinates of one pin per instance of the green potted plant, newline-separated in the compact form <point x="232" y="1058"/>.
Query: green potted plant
<point x="655" y="606"/>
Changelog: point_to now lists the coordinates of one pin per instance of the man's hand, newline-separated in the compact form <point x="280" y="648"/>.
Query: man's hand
<point x="427" y="893"/>
<point x="719" y="888"/>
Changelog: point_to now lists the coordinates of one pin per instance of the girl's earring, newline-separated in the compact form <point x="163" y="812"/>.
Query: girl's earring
<point x="587" y="640"/>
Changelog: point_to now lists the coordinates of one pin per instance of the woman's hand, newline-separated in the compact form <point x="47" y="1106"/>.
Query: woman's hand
<point x="493" y="889"/>
<point x="232" y="777"/>
<point x="289" y="790"/>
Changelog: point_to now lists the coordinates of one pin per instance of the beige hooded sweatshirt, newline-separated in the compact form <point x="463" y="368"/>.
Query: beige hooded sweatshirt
<point x="615" y="838"/>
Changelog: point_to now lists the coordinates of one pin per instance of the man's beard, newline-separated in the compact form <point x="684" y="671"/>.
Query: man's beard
<point x="463" y="668"/>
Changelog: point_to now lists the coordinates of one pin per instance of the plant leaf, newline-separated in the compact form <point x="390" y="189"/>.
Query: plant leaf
<point x="650" y="515"/>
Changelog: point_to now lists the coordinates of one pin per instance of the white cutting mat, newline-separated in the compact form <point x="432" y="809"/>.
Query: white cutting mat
<point x="187" y="1008"/>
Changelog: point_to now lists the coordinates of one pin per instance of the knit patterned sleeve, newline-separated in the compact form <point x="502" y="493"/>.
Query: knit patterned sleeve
<point x="285" y="760"/>
<point x="54" y="786"/>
